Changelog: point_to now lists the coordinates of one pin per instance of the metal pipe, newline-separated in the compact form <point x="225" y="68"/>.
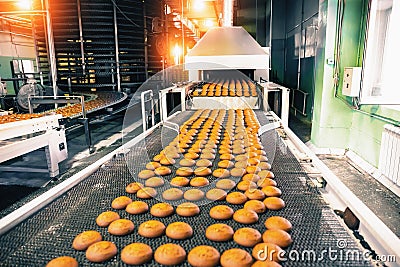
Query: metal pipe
<point x="81" y="40"/>
<point x="51" y="51"/>
<point x="228" y="13"/>
<point x="146" y="56"/>
<point x="270" y="37"/>
<point x="183" y="34"/>
<point x="117" y="49"/>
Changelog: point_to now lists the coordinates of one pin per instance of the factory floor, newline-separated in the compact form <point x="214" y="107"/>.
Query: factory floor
<point x="107" y="136"/>
<point x="378" y="198"/>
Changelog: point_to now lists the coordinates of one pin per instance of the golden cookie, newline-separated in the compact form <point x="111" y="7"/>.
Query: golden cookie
<point x="85" y="239"/>
<point x="221" y="212"/>
<point x="137" y="207"/>
<point x="187" y="209"/>
<point x="170" y="254"/>
<point x="219" y="232"/>
<point x="136" y="254"/>
<point x="107" y="217"/>
<point x="236" y="257"/>
<point x="63" y="261"/>
<point x="179" y="230"/>
<point x="161" y="210"/>
<point x="151" y="229"/>
<point x="101" y="251"/>
<point x="203" y="256"/>
<point x="247" y="237"/>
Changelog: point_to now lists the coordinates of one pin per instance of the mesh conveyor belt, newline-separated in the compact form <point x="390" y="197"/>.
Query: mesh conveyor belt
<point x="49" y="233"/>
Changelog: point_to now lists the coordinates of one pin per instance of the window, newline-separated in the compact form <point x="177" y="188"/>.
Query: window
<point x="381" y="78"/>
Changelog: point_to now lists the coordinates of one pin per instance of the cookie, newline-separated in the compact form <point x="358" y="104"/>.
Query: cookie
<point x="185" y="162"/>
<point x="245" y="216"/>
<point x="227" y="156"/>
<point x="226" y="164"/>
<point x="274" y="203"/>
<point x="193" y="194"/>
<point x="63" y="261"/>
<point x="153" y="165"/>
<point x="121" y="202"/>
<point x="221" y="212"/>
<point x="184" y="171"/>
<point x="85" y="239"/>
<point x="221" y="173"/>
<point x="278" y="237"/>
<point x="266" y="174"/>
<point x="107" y="217"/>
<point x="136" y="254"/>
<point x="132" y="188"/>
<point x="154" y="182"/>
<point x="241" y="164"/>
<point x="251" y="177"/>
<point x="225" y="184"/>
<point x="199" y="181"/>
<point x="161" y="210"/>
<point x="121" y="227"/>
<point x="187" y="209"/>
<point x="238" y="172"/>
<point x="172" y="194"/>
<point x="170" y="254"/>
<point x="247" y="237"/>
<point x="255" y="194"/>
<point x="179" y="181"/>
<point x="219" y="232"/>
<point x="253" y="169"/>
<point x="146" y="174"/>
<point x="278" y="222"/>
<point x="203" y="163"/>
<point x="202" y="171"/>
<point x="245" y="185"/>
<point x="146" y="193"/>
<point x="236" y="198"/>
<point x="266" y="182"/>
<point x="151" y="229"/>
<point x="271" y="191"/>
<point x="203" y="256"/>
<point x="137" y="207"/>
<point x="216" y="194"/>
<point x="264" y="165"/>
<point x="236" y="257"/>
<point x="255" y="205"/>
<point x="162" y="171"/>
<point x="267" y="252"/>
<point x="179" y="230"/>
<point x="101" y="251"/>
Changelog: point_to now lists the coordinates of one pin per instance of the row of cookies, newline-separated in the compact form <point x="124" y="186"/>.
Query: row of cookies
<point x="227" y="87"/>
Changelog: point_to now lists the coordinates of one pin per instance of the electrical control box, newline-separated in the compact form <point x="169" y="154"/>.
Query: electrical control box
<point x="351" y="81"/>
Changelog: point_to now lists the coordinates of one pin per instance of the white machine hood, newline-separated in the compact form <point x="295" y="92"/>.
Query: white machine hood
<point x="226" y="48"/>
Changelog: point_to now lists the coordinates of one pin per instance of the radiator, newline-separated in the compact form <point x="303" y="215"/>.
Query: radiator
<point x="389" y="157"/>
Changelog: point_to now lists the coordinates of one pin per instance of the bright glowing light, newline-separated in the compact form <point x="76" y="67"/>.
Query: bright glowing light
<point x="177" y="53"/>
<point x="208" y="23"/>
<point x="198" y="5"/>
<point x="24" y="4"/>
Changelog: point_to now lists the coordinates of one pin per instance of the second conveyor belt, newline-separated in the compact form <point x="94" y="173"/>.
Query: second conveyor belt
<point x="49" y="233"/>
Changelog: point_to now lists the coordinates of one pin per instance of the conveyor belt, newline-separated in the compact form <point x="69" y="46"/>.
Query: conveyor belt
<point x="49" y="233"/>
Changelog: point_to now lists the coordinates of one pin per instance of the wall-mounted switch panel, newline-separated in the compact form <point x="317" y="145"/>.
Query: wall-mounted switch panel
<point x="351" y="81"/>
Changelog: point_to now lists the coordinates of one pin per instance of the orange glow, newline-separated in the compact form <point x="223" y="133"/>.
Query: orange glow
<point x="198" y="5"/>
<point x="24" y="4"/>
<point x="209" y="23"/>
<point x="177" y="53"/>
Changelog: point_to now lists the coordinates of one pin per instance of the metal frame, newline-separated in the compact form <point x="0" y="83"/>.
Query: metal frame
<point x="41" y="132"/>
<point x="163" y="99"/>
<point x="143" y="102"/>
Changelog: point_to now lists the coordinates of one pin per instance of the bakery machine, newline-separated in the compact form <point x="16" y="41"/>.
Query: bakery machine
<point x="26" y="135"/>
<point x="44" y="225"/>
